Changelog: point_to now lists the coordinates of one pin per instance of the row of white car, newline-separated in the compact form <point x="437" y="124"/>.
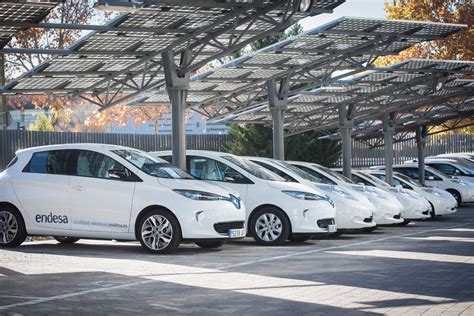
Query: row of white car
<point x="101" y="191"/>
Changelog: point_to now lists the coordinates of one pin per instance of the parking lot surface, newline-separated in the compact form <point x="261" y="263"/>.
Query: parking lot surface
<point x="425" y="268"/>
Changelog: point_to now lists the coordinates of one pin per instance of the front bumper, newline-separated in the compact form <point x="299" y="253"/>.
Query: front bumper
<point x="304" y="219"/>
<point x="211" y="220"/>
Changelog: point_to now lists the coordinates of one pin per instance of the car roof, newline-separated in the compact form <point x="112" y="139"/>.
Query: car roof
<point x="209" y="153"/>
<point x="73" y="146"/>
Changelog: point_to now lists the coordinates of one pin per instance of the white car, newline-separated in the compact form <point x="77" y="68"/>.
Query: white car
<point x="442" y="203"/>
<point x="467" y="156"/>
<point x="100" y="191"/>
<point x="353" y="210"/>
<point x="451" y="167"/>
<point x="388" y="208"/>
<point x="415" y="205"/>
<point x="276" y="210"/>
<point x="460" y="190"/>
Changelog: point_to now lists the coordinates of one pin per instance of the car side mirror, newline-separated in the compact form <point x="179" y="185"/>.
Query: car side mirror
<point x="229" y="179"/>
<point x="430" y="178"/>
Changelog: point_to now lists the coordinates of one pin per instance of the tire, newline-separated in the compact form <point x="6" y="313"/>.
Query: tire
<point x="273" y="227"/>
<point x="209" y="244"/>
<point x="162" y="224"/>
<point x="12" y="227"/>
<point x="432" y="212"/>
<point x="66" y="240"/>
<point x="405" y="222"/>
<point x="370" y="229"/>
<point x="299" y="238"/>
<point x="457" y="196"/>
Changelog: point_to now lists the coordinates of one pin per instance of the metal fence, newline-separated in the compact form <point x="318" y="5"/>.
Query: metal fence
<point x="365" y="156"/>
<point x="12" y="140"/>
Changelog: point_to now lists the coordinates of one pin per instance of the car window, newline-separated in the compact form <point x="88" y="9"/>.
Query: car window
<point x="12" y="162"/>
<point x="395" y="181"/>
<point x="253" y="168"/>
<point x="277" y="171"/>
<point x="152" y="166"/>
<point x="210" y="169"/>
<point x="320" y="177"/>
<point x="413" y="173"/>
<point x="51" y="162"/>
<point x="445" y="168"/>
<point x="335" y="174"/>
<point x="96" y="165"/>
<point x="356" y="179"/>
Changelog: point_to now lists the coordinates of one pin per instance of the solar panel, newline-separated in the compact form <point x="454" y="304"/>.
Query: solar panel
<point x="21" y="11"/>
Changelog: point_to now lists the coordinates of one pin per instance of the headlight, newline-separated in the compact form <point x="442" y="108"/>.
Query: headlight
<point x="207" y="196"/>
<point x="308" y="196"/>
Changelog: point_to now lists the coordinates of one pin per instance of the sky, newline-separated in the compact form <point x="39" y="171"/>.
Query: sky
<point x="352" y="8"/>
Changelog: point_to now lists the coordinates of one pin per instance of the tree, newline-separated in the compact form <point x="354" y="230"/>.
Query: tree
<point x="459" y="46"/>
<point x="256" y="140"/>
<point x="42" y="124"/>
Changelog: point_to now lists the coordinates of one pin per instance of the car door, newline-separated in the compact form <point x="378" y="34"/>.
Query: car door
<point x="212" y="170"/>
<point x="43" y="189"/>
<point x="99" y="201"/>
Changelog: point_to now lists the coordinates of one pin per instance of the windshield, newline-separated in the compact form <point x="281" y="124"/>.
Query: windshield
<point x="334" y="174"/>
<point x="153" y="166"/>
<point x="377" y="180"/>
<point x="407" y="179"/>
<point x="253" y="168"/>
<point x="297" y="171"/>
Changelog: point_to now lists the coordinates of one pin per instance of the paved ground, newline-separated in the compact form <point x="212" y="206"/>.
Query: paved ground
<point x="426" y="268"/>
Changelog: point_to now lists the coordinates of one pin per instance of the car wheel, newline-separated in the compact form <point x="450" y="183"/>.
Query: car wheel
<point x="432" y="213"/>
<point x="457" y="196"/>
<point x="405" y="222"/>
<point x="12" y="227"/>
<point x="210" y="244"/>
<point x="66" y="240"/>
<point x="159" y="232"/>
<point x="370" y="229"/>
<point x="270" y="227"/>
<point x="299" y="238"/>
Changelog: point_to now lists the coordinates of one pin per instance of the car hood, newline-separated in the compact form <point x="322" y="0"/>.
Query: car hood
<point x="197" y="185"/>
<point x="293" y="186"/>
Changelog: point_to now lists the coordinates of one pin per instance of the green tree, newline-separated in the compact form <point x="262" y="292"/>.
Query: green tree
<point x="256" y="140"/>
<point x="42" y="124"/>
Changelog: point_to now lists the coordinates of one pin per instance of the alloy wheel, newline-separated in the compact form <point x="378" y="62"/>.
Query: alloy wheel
<point x="268" y="227"/>
<point x="8" y="227"/>
<point x="157" y="232"/>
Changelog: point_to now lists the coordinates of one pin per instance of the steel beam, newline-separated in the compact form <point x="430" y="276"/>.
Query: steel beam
<point x="345" y="125"/>
<point x="177" y="87"/>
<point x="278" y="99"/>
<point x="388" y="120"/>
<point x="3" y="99"/>
<point x="420" y="142"/>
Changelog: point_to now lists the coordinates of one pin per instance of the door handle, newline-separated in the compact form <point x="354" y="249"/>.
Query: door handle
<point x="78" y="187"/>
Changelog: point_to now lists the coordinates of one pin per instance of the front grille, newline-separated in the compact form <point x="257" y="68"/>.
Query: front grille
<point x="368" y="219"/>
<point x="325" y="222"/>
<point x="398" y="216"/>
<point x="223" y="228"/>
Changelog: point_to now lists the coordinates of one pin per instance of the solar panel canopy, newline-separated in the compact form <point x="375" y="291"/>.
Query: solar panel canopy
<point x="125" y="59"/>
<point x="21" y="11"/>
<point x="317" y="57"/>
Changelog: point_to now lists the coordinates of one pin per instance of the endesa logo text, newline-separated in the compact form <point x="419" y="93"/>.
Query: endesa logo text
<point x="51" y="219"/>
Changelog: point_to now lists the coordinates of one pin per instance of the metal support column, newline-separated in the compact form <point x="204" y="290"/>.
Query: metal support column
<point x="421" y="133"/>
<point x="177" y="87"/>
<point x="346" y="124"/>
<point x="3" y="99"/>
<point x="388" y="131"/>
<point x="277" y="98"/>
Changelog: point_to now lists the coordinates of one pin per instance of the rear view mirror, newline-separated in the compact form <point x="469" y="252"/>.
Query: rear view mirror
<point x="430" y="178"/>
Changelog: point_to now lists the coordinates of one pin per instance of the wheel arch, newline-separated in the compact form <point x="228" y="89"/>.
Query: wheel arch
<point x="269" y="205"/>
<point x="154" y="207"/>
<point x="451" y="190"/>
<point x="9" y="204"/>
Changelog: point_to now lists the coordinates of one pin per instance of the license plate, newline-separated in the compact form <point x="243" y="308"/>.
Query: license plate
<point x="237" y="233"/>
<point x="332" y="228"/>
